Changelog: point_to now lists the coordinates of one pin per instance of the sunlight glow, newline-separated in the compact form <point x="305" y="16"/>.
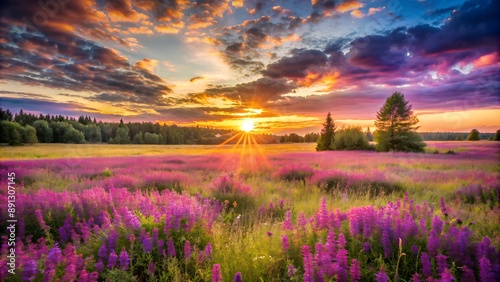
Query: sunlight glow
<point x="247" y="125"/>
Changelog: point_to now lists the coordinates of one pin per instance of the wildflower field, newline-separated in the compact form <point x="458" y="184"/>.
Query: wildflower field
<point x="262" y="213"/>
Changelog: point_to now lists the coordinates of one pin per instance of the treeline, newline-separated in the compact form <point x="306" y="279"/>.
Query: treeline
<point x="27" y="128"/>
<point x="452" y="136"/>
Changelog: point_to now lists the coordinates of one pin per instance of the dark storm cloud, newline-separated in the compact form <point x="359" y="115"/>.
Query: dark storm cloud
<point x="65" y="61"/>
<point x="44" y="106"/>
<point x="255" y="93"/>
<point x="297" y="65"/>
<point x="439" y="12"/>
<point x="474" y="25"/>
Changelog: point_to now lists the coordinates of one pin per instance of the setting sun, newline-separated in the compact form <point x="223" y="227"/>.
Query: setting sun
<point x="247" y="126"/>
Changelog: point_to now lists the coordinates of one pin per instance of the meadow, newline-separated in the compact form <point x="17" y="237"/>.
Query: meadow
<point x="278" y="212"/>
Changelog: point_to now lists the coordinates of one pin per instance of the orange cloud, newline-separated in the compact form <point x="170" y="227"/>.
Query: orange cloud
<point x="486" y="60"/>
<point x="349" y="5"/>
<point x="147" y="64"/>
<point x="372" y="11"/>
<point x="238" y="3"/>
<point x="357" y="14"/>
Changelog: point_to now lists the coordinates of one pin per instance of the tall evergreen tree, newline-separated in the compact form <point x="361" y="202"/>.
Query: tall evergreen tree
<point x="396" y="126"/>
<point x="327" y="137"/>
<point x="497" y="136"/>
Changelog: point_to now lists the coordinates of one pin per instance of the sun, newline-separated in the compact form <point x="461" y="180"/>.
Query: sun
<point x="247" y="125"/>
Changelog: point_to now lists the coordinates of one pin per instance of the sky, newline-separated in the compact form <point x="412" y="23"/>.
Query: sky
<point x="282" y="64"/>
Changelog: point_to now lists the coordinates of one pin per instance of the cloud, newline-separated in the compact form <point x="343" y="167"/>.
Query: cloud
<point x="372" y="11"/>
<point x="147" y="64"/>
<point x="196" y="78"/>
<point x="349" y="5"/>
<point x="357" y="14"/>
<point x="66" y="61"/>
<point x="297" y="65"/>
<point x="253" y="94"/>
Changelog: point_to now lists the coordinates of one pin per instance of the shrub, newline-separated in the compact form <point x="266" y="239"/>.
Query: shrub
<point x="473" y="194"/>
<point x="373" y="183"/>
<point x="351" y="138"/>
<point x="295" y="172"/>
<point x="165" y="180"/>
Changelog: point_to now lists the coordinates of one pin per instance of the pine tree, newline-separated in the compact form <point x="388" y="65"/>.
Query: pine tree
<point x="497" y="136"/>
<point x="327" y="137"/>
<point x="396" y="126"/>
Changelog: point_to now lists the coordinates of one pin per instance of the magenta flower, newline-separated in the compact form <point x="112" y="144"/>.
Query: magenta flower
<point x="291" y="270"/>
<point x="446" y="276"/>
<point x="151" y="267"/>
<point x="287" y="224"/>
<point x="285" y="243"/>
<point x="187" y="249"/>
<point x="308" y="264"/>
<point x="147" y="245"/>
<point x="355" y="270"/>
<point x="416" y="278"/>
<point x="485" y="271"/>
<point x="208" y="251"/>
<point x="216" y="273"/>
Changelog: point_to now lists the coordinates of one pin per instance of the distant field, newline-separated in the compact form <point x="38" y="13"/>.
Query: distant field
<point x="41" y="151"/>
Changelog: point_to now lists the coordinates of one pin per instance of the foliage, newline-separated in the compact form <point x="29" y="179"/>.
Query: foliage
<point x="497" y="136"/>
<point x="327" y="137"/>
<point x="138" y="138"/>
<point x="43" y="131"/>
<point x="73" y="136"/>
<point x="121" y="137"/>
<point x="351" y="138"/>
<point x="295" y="172"/>
<point x="473" y="135"/>
<point x="29" y="135"/>
<point x="396" y="126"/>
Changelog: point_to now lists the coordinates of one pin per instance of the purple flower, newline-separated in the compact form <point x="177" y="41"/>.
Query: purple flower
<point x="426" y="265"/>
<point x="485" y="271"/>
<point x="124" y="260"/>
<point x="386" y="243"/>
<point x="442" y="206"/>
<point x="30" y="270"/>
<point x="366" y="247"/>
<point x="467" y="274"/>
<point x="151" y="267"/>
<point x="381" y="276"/>
<point x="355" y="270"/>
<point x="112" y="260"/>
<point x="308" y="264"/>
<point x="285" y="243"/>
<point x="216" y="274"/>
<point x="237" y="277"/>
<point x="147" y="245"/>
<point x="433" y="243"/>
<point x="437" y="224"/>
<point x="99" y="266"/>
<point x="446" y="276"/>
<point x="414" y="249"/>
<point x="171" y="248"/>
<point x="187" y="249"/>
<point x="269" y="234"/>
<point x="291" y="270"/>
<point x="103" y="252"/>
<point x="54" y="257"/>
<point x="208" y="251"/>
<point x="441" y="262"/>
<point x="113" y="237"/>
